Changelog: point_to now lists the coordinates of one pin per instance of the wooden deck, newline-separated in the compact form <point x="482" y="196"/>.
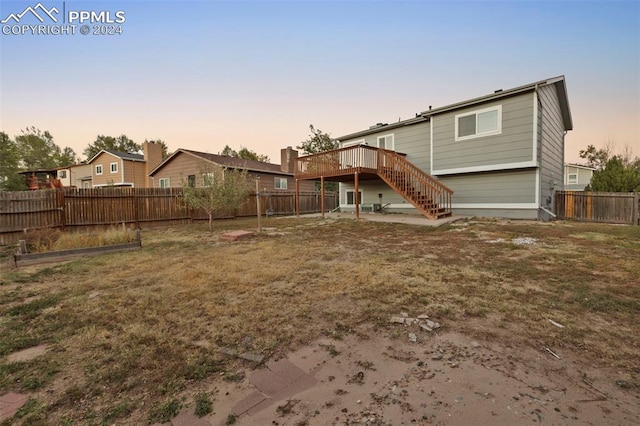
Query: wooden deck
<point x="362" y="162"/>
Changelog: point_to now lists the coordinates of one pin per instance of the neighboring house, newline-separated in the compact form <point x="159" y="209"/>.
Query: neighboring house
<point x="577" y="177"/>
<point x="498" y="155"/>
<point x="114" y="168"/>
<point x="187" y="167"/>
<point x="78" y="175"/>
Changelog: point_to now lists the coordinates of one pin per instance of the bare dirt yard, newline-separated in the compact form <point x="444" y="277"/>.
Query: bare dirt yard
<point x="316" y="322"/>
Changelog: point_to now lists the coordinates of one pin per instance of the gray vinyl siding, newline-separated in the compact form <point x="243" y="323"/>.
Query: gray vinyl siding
<point x="507" y="187"/>
<point x="584" y="178"/>
<point x="370" y="191"/>
<point x="412" y="140"/>
<point x="513" y="145"/>
<point x="551" y="139"/>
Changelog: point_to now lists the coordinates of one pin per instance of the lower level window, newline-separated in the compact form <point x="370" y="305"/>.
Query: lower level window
<point x="351" y="197"/>
<point x="164" y="183"/>
<point x="280" y="183"/>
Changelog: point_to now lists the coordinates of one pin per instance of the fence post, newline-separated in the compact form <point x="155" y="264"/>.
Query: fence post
<point x="636" y="207"/>
<point x="61" y="206"/>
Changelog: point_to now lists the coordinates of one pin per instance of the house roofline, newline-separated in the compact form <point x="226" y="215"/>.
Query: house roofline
<point x="114" y="153"/>
<point x="558" y="81"/>
<point x="377" y="129"/>
<point x="580" y="166"/>
<point x="195" y="155"/>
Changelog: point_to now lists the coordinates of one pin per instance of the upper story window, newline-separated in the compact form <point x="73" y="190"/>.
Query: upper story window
<point x="98" y="169"/>
<point x="572" y="178"/>
<point x="483" y="122"/>
<point x="280" y="183"/>
<point x="385" y="142"/>
<point x="113" y="167"/>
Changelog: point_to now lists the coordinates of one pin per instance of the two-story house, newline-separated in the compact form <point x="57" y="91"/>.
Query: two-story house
<point x="115" y="168"/>
<point x="497" y="155"/>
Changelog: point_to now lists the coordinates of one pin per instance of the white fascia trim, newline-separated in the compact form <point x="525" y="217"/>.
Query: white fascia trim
<point x="535" y="125"/>
<point x="486" y="168"/>
<point x="494" y="205"/>
<point x="431" y="120"/>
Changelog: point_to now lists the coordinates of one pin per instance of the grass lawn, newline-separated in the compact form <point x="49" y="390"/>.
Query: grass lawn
<point x="135" y="336"/>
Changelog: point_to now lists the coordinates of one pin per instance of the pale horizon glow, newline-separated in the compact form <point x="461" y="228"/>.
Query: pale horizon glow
<point x="204" y="74"/>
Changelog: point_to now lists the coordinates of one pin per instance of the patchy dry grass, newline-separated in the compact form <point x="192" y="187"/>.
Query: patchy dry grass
<point x="45" y="240"/>
<point x="135" y="336"/>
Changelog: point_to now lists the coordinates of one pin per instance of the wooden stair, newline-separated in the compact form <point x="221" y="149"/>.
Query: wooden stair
<point x="428" y="195"/>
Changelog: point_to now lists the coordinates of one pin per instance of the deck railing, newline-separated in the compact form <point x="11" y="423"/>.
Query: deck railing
<point x="426" y="193"/>
<point x="343" y="161"/>
<point x="420" y="189"/>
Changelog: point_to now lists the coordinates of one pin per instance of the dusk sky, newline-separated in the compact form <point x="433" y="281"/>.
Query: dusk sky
<point x="204" y="74"/>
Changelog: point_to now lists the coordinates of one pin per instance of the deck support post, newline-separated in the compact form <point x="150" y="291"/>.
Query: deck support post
<point x="357" y="198"/>
<point x="322" y="195"/>
<point x="297" y="198"/>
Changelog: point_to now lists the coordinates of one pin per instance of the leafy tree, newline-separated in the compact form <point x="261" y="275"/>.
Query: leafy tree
<point x="617" y="175"/>
<point x="318" y="141"/>
<point x="597" y="158"/>
<point x="10" y="180"/>
<point x="37" y="150"/>
<point x="122" y="143"/>
<point x="245" y="154"/>
<point x="222" y="191"/>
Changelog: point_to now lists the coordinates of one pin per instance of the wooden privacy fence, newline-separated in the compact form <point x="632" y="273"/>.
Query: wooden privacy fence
<point x="74" y="207"/>
<point x="606" y="207"/>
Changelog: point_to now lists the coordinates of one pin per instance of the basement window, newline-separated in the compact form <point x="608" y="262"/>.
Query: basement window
<point x="351" y="197"/>
<point x="483" y="122"/>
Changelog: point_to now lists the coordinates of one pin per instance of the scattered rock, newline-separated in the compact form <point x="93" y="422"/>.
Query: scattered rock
<point x="413" y="338"/>
<point x="399" y="320"/>
<point x="423" y="317"/>
<point x="436" y="356"/>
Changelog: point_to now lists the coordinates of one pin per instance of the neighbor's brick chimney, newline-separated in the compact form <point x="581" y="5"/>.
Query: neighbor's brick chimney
<point x="153" y="156"/>
<point x="288" y="157"/>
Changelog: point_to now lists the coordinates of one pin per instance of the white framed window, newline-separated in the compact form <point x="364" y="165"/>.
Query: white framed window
<point x="483" y="122"/>
<point x="113" y="167"/>
<point x="208" y="179"/>
<point x="86" y="185"/>
<point x="164" y="183"/>
<point x="351" y="197"/>
<point x="385" y="142"/>
<point x="98" y="169"/>
<point x="572" y="178"/>
<point x="279" y="183"/>
<point x="62" y="174"/>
